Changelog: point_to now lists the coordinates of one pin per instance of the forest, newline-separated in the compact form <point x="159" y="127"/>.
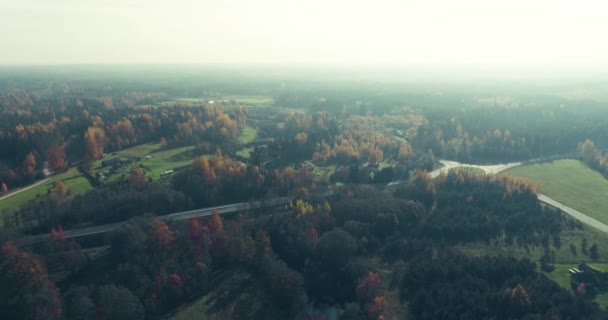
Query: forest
<point x="368" y="230"/>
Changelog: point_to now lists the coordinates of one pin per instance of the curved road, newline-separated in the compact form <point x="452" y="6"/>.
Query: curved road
<point x="497" y="168"/>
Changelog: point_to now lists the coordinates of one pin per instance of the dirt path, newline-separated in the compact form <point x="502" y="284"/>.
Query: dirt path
<point x="24" y="189"/>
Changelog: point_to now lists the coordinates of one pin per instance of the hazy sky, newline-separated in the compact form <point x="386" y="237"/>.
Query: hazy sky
<point x="509" y="32"/>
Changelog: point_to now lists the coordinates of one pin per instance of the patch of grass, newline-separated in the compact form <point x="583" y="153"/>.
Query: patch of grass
<point x="563" y="255"/>
<point x="565" y="259"/>
<point x="197" y="310"/>
<point x="152" y="157"/>
<point x="561" y="275"/>
<point x="571" y="183"/>
<point x="472" y="170"/>
<point x="325" y="171"/>
<point x="245" y="152"/>
<point x="602" y="300"/>
<point x="252" y="100"/>
<point x="384" y="164"/>
<point x="249" y="134"/>
<point x="72" y="179"/>
<point x="234" y="294"/>
<point x="140" y="150"/>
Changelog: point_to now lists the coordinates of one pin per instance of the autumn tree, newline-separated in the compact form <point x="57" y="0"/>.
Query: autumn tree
<point x="60" y="189"/>
<point x="215" y="224"/>
<point x="163" y="236"/>
<point x="29" y="164"/>
<point x="4" y="188"/>
<point x="302" y="208"/>
<point x="163" y="142"/>
<point x="56" y="158"/>
<point x="369" y="287"/>
<point x="301" y="138"/>
<point x="405" y="151"/>
<point x="587" y="150"/>
<point x="137" y="177"/>
<point x="378" y="308"/>
<point x="196" y="229"/>
<point x="58" y="235"/>
<point x="262" y="243"/>
<point x="95" y="139"/>
<point x="25" y="289"/>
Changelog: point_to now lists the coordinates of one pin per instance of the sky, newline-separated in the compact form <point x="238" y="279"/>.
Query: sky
<point x="324" y="32"/>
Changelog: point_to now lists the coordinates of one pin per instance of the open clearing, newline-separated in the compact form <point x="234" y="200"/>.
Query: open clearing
<point x="571" y="183"/>
<point x="152" y="157"/>
<point x="249" y="134"/>
<point x="72" y="179"/>
<point x="249" y="100"/>
<point x="564" y="258"/>
<point x="245" y="152"/>
<point x="472" y="170"/>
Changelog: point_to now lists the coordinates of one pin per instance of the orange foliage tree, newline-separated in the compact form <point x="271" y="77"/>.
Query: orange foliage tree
<point x="29" y="164"/>
<point x="369" y="287"/>
<point x="95" y="139"/>
<point x="32" y="294"/>
<point x="56" y="157"/>
<point x="137" y="177"/>
<point x="378" y="308"/>
<point x="215" y="224"/>
<point x="161" y="233"/>
<point x="60" y="189"/>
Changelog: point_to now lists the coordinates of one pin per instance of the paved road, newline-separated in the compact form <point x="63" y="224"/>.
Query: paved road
<point x="177" y="216"/>
<point x="24" y="189"/>
<point x="574" y="213"/>
<point x="497" y="168"/>
<point x="493" y="169"/>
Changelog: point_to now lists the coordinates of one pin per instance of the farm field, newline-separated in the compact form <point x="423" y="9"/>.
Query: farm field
<point x="151" y="157"/>
<point x="72" y="179"/>
<point x="571" y="183"/>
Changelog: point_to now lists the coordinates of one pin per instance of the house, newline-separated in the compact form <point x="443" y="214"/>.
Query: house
<point x="595" y="281"/>
<point x="111" y="162"/>
<point x="165" y="173"/>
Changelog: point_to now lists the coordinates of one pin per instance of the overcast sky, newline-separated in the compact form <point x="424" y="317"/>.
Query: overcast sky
<point x="340" y="32"/>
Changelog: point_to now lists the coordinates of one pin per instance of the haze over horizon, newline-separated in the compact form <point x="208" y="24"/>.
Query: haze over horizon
<point x="538" y="34"/>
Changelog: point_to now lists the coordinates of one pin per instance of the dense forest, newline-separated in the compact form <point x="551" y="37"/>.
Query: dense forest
<point x="365" y="232"/>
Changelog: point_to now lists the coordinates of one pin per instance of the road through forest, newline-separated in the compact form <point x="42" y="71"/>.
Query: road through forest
<point x="497" y="168"/>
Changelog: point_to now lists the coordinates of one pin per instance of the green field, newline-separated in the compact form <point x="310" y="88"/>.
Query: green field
<point x="72" y="179"/>
<point x="324" y="172"/>
<point x="469" y="169"/>
<point x="564" y="258"/>
<point x="196" y="310"/>
<point x="571" y="183"/>
<point x="252" y="99"/>
<point x="249" y="134"/>
<point x="245" y="152"/>
<point x="152" y="157"/>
